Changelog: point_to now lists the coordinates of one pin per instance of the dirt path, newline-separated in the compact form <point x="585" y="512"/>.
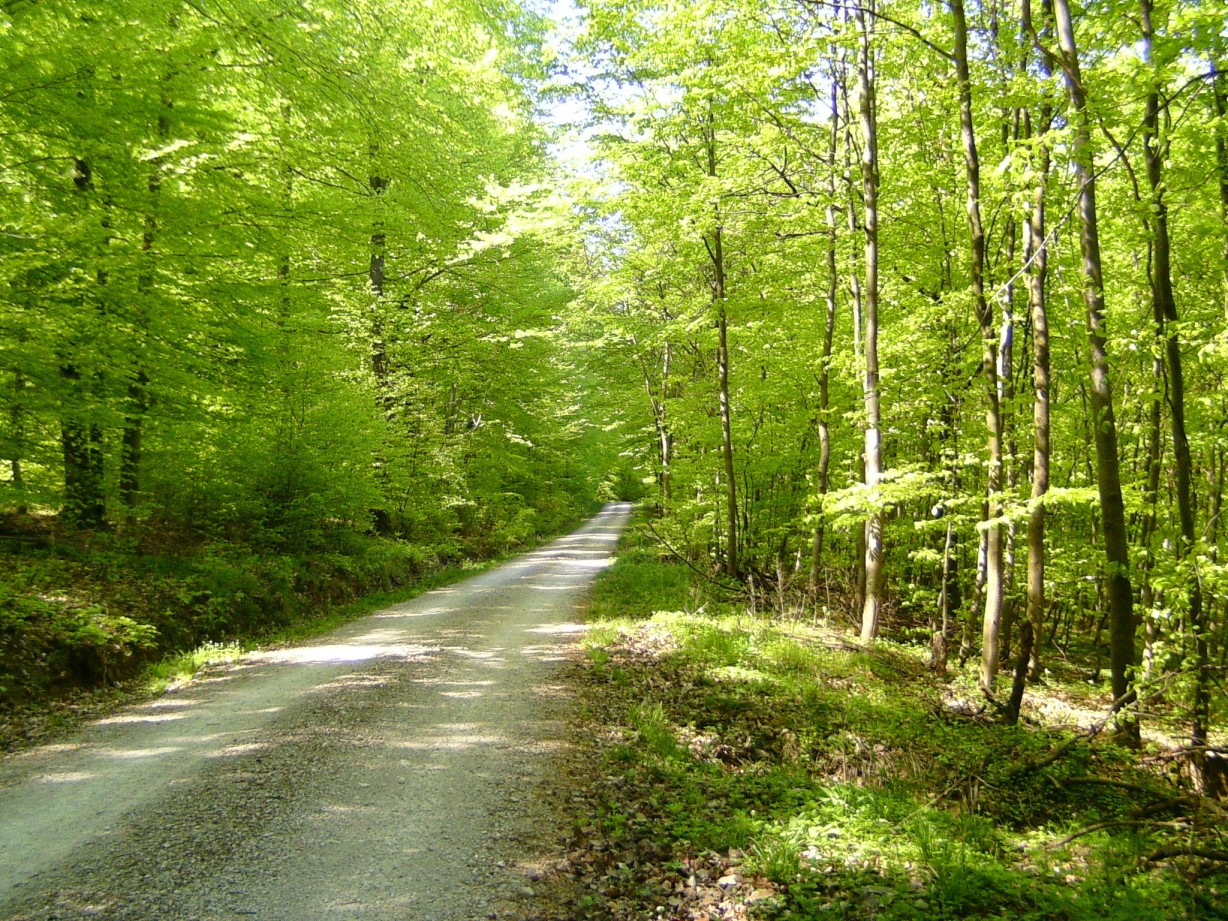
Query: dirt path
<point x="383" y="771"/>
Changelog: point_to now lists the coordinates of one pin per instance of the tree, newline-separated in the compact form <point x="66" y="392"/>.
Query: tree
<point x="1108" y="472"/>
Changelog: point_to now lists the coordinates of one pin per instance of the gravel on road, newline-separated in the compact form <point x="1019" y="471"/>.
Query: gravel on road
<point x="385" y="771"/>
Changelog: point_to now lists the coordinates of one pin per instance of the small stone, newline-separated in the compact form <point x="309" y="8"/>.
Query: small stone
<point x="726" y="882"/>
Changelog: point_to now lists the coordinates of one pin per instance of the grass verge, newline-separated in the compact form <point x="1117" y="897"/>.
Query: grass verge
<point x="745" y="768"/>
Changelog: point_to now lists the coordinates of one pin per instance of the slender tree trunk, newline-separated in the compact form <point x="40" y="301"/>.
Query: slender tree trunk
<point x="716" y="252"/>
<point x="950" y="594"/>
<point x="1036" y="255"/>
<point x="137" y="400"/>
<point x="829" y="325"/>
<point x="948" y="601"/>
<point x="17" y="421"/>
<point x="857" y="315"/>
<point x="380" y="365"/>
<point x="660" y="419"/>
<point x="375" y="278"/>
<point x="1108" y="472"/>
<point x="722" y="362"/>
<point x="137" y="404"/>
<point x="80" y="436"/>
<point x="992" y="616"/>
<point x="1219" y="100"/>
<point x="870" y="388"/>
<point x="1165" y="308"/>
<point x="665" y="434"/>
<point x="1148" y="596"/>
<point x="81" y="444"/>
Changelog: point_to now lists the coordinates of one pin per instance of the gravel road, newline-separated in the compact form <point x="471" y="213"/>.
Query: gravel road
<point x="385" y="771"/>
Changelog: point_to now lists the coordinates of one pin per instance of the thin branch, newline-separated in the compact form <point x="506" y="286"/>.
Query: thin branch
<point x="1166" y="852"/>
<point x="903" y="26"/>
<point x="691" y="566"/>
<point x="1113" y="823"/>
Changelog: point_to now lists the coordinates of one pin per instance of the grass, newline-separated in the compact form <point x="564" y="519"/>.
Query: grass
<point x="180" y="668"/>
<point x="843" y="781"/>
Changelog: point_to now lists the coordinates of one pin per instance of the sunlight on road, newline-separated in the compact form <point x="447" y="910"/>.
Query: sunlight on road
<point x="340" y="652"/>
<point x="67" y="777"/>
<point x="128" y="718"/>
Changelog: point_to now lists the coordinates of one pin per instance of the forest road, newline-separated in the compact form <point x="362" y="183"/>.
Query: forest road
<point x="385" y="771"/>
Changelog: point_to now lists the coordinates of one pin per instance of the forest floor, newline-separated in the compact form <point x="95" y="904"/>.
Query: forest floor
<point x="732" y="766"/>
<point x="389" y="770"/>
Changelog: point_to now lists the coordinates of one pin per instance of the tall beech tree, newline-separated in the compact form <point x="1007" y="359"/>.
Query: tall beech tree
<point x="1164" y="310"/>
<point x="868" y="113"/>
<point x="994" y="576"/>
<point x="1036" y="269"/>
<point x="1103" y="419"/>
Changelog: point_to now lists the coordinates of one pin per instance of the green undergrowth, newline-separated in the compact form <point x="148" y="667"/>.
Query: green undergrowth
<point x="851" y="784"/>
<point x="76" y="616"/>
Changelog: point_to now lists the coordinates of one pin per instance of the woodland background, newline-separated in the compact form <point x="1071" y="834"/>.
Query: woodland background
<point x="912" y="316"/>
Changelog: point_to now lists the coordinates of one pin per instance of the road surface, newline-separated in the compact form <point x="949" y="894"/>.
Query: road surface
<point x="384" y="771"/>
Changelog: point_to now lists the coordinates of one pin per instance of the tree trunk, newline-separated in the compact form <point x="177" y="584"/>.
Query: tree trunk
<point x="1108" y="472"/>
<point x="375" y="278"/>
<point x="992" y="616"/>
<point x="1165" y="309"/>
<point x="380" y="366"/>
<point x="1219" y="100"/>
<point x="1036" y="257"/>
<point x="829" y="326"/>
<point x="665" y="434"/>
<point x="870" y="388"/>
<point x="80" y="436"/>
<point x="137" y="402"/>
<point x="716" y="253"/>
<point x="660" y="419"/>
<point x="81" y="443"/>
<point x="17" y="420"/>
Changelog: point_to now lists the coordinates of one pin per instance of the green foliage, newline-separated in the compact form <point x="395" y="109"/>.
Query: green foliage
<point x="181" y="667"/>
<point x="211" y="317"/>
<point x="847" y="782"/>
<point x="269" y="284"/>
<point x="61" y="624"/>
<point x="738" y="122"/>
<point x="637" y="585"/>
<point x="48" y="638"/>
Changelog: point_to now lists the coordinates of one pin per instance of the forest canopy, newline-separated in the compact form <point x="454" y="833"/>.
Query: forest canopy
<point x="267" y="268"/>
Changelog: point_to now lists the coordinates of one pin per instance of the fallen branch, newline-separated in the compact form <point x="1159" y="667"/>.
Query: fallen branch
<point x="1106" y="782"/>
<point x="1094" y="730"/>
<point x="1113" y="823"/>
<point x="1164" y="853"/>
<point x="1186" y="751"/>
